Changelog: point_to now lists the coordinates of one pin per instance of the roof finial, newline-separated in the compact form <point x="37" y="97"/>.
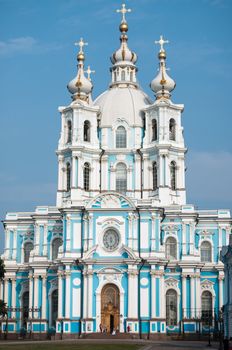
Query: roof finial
<point x="161" y="42"/>
<point x="89" y="72"/>
<point x="123" y="11"/>
<point x="81" y="44"/>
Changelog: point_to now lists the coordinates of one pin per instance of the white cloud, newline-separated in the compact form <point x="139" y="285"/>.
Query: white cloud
<point x="25" y="45"/>
<point x="209" y="178"/>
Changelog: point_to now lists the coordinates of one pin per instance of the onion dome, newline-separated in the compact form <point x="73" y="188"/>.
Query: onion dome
<point x="162" y="84"/>
<point x="80" y="87"/>
<point x="124" y="55"/>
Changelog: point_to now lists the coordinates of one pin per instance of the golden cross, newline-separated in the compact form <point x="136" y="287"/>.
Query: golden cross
<point x="81" y="43"/>
<point x="161" y="42"/>
<point x="89" y="72"/>
<point x="123" y="11"/>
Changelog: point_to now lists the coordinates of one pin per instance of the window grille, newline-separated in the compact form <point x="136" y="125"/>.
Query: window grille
<point x="121" y="137"/>
<point x="173" y="175"/>
<point x="171" y="307"/>
<point x="154" y="130"/>
<point x="28" y="247"/>
<point x="206" y="308"/>
<point x="68" y="177"/>
<point x="121" y="178"/>
<point x="172" y="130"/>
<point x="86" y="176"/>
<point x="171" y="248"/>
<point x="154" y="175"/>
<point x="206" y="252"/>
<point x="87" y="131"/>
<point x="69" y="134"/>
<point x="57" y="242"/>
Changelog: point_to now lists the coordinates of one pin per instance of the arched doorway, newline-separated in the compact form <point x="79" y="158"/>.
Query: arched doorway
<point x="110" y="308"/>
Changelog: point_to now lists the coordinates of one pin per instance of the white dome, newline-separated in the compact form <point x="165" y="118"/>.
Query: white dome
<point x="122" y="102"/>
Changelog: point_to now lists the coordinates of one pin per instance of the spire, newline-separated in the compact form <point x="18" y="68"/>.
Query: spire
<point x="80" y="87"/>
<point x="162" y="84"/>
<point x="123" y="69"/>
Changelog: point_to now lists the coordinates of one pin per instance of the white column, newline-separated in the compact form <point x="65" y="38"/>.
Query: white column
<point x="130" y="227"/>
<point x="36" y="286"/>
<point x="90" y="241"/>
<point x="37" y="237"/>
<point x="184" y="239"/>
<point x="44" y="296"/>
<point x="14" y="244"/>
<point x="13" y="295"/>
<point x="221" y="278"/>
<point x="132" y="294"/>
<point x="85" y="301"/>
<point x="153" y="237"/>
<point x="184" y="295"/>
<point x="30" y="294"/>
<point x="45" y="246"/>
<point x="153" y="295"/>
<point x="90" y="293"/>
<point x="68" y="233"/>
<point x="6" y="282"/>
<point x="67" y="292"/>
<point x="192" y="291"/>
<point x="60" y="294"/>
<point x="162" y="297"/>
<point x="198" y="293"/>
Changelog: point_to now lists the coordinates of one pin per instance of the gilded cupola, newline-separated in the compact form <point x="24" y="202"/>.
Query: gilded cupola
<point x="81" y="86"/>
<point x="162" y="84"/>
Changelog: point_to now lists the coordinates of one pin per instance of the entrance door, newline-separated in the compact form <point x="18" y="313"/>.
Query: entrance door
<point x="110" y="308"/>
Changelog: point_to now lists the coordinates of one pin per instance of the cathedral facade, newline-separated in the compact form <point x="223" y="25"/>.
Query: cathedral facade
<point x="122" y="250"/>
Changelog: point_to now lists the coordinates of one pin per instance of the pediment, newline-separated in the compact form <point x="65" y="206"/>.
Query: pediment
<point x="110" y="200"/>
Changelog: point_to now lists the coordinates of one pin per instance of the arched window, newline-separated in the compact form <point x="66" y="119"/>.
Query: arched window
<point x="121" y="178"/>
<point x="115" y="76"/>
<point x="121" y="137"/>
<point x="154" y="130"/>
<point x="86" y="176"/>
<point x="171" y="248"/>
<point x="131" y="76"/>
<point x="87" y="131"/>
<point x="171" y="307"/>
<point x="54" y="308"/>
<point x="69" y="131"/>
<point x="154" y="176"/>
<point x="25" y="308"/>
<point x="56" y="243"/>
<point x="172" y="130"/>
<point x="173" y="175"/>
<point x="123" y="75"/>
<point x="68" y="177"/>
<point x="28" y="247"/>
<point x="206" y="255"/>
<point x="206" y="307"/>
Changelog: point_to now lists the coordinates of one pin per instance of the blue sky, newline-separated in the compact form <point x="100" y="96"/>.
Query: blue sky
<point x="38" y="58"/>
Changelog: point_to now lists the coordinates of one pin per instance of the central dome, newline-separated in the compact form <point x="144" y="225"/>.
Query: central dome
<point x="122" y="102"/>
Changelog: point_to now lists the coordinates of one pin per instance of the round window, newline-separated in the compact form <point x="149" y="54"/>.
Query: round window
<point x="111" y="239"/>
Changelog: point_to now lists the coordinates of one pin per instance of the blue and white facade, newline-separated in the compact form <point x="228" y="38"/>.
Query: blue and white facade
<point x="121" y="249"/>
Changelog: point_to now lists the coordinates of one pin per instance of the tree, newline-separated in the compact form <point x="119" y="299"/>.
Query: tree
<point x="2" y="269"/>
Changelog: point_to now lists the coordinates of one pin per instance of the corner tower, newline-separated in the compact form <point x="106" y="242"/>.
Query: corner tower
<point x="163" y="144"/>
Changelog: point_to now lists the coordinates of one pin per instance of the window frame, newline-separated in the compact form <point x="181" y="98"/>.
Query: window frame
<point x="121" y="183"/>
<point x="86" y="176"/>
<point x="121" y="137"/>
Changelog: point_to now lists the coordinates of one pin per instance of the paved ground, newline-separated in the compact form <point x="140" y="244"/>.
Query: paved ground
<point x="102" y="344"/>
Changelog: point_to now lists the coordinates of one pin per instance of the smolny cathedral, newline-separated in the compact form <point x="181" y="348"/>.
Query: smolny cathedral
<point x="121" y="250"/>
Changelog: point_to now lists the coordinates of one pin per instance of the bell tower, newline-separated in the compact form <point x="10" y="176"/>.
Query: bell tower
<point x="163" y="147"/>
<point x="78" y="148"/>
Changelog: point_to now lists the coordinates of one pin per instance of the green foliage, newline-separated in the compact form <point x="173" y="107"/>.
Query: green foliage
<point x="2" y="269"/>
<point x="3" y="311"/>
